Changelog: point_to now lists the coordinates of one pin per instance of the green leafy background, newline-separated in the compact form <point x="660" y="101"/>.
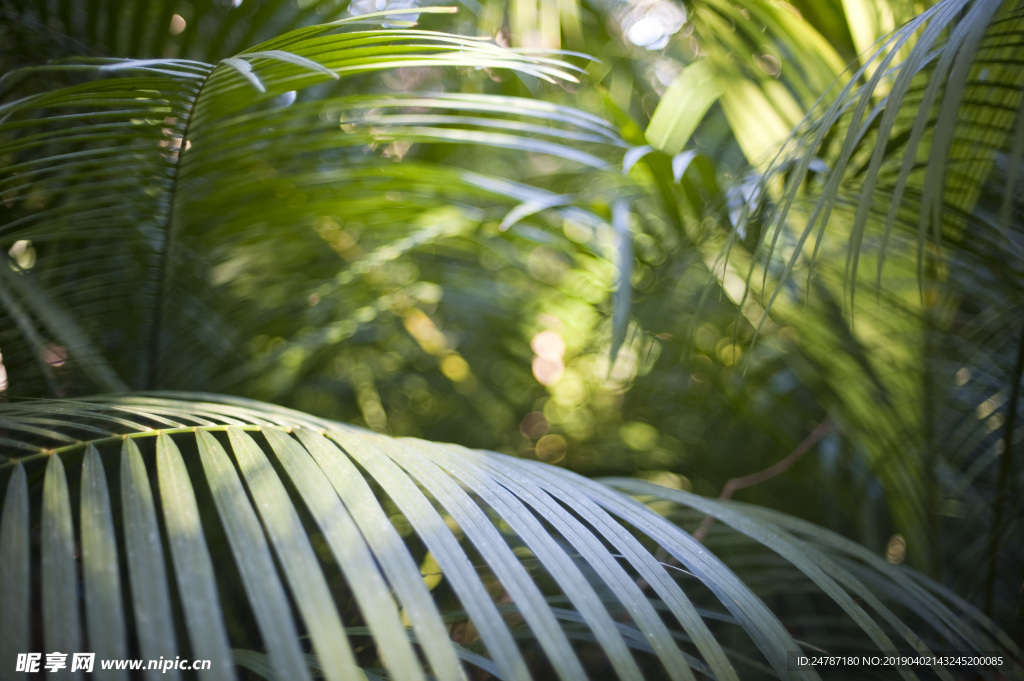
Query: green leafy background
<point x="746" y="233"/>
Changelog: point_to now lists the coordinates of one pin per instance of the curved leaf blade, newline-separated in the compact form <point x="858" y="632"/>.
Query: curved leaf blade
<point x="104" y="607"/>
<point x="252" y="556"/>
<point x="297" y="558"/>
<point x="197" y="587"/>
<point x="61" y="615"/>
<point x="151" y="602"/>
<point x="15" y="577"/>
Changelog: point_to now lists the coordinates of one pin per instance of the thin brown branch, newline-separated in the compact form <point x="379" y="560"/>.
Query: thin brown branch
<point x="736" y="484"/>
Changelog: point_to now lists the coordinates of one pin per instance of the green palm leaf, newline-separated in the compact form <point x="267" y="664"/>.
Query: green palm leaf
<point x="893" y="138"/>
<point x="284" y="503"/>
<point x="163" y="164"/>
<point x="912" y="173"/>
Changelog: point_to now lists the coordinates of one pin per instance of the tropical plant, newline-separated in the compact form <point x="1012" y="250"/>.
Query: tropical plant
<point x="310" y="220"/>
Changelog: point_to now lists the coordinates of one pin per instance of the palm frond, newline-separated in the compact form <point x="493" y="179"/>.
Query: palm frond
<point x="911" y="174"/>
<point x="164" y="164"/>
<point x="921" y="139"/>
<point x="147" y="30"/>
<point x="284" y="503"/>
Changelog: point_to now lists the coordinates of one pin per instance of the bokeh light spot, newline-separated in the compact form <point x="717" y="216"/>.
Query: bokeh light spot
<point x="638" y="436"/>
<point x="548" y="371"/>
<point x="548" y="345"/>
<point x="455" y="368"/>
<point x="896" y="551"/>
<point x="728" y="352"/>
<point x="23" y="253"/>
<point x="650" y="24"/>
<point x="177" y="24"/>
<point x="551" y="448"/>
<point x="534" y="425"/>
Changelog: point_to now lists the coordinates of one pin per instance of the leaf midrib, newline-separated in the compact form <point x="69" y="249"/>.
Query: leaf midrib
<point x="150" y="364"/>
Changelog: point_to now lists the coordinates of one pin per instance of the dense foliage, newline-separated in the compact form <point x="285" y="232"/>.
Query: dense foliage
<point x="754" y="248"/>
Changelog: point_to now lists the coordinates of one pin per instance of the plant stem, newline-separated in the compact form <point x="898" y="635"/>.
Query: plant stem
<point x="736" y="484"/>
<point x="150" y="369"/>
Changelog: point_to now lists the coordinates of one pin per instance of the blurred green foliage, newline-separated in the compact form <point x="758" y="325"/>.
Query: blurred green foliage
<point x="448" y="312"/>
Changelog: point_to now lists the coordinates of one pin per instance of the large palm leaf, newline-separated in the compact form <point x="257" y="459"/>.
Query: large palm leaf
<point x="904" y="181"/>
<point x="154" y="181"/>
<point x="263" y="524"/>
<point x="908" y="185"/>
